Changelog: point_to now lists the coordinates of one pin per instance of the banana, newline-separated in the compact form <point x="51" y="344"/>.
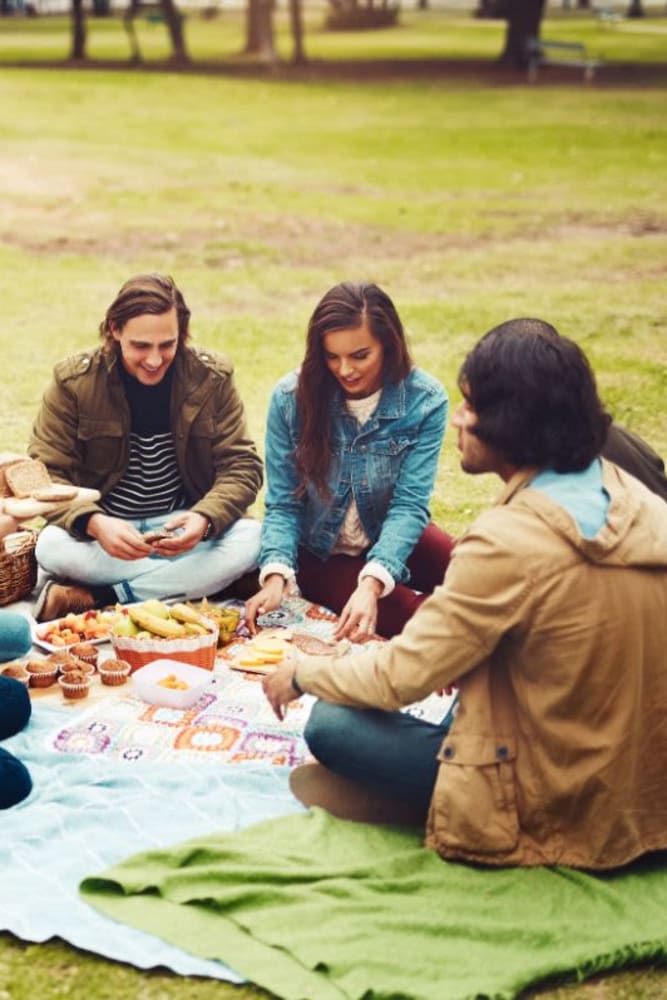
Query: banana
<point x="194" y="628"/>
<point x="164" y="627"/>
<point x="184" y="613"/>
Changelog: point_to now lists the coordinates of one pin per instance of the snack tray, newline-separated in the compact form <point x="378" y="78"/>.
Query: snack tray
<point x="39" y="628"/>
<point x="259" y="668"/>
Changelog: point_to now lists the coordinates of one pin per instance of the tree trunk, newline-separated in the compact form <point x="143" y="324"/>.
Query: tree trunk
<point x="635" y="9"/>
<point x="259" y="30"/>
<point x="78" y="30"/>
<point x="296" y="20"/>
<point x="523" y="23"/>
<point x="174" y="21"/>
<point x="253" y="34"/>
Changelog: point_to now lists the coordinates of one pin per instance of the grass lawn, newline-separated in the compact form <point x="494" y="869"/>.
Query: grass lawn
<point x="468" y="203"/>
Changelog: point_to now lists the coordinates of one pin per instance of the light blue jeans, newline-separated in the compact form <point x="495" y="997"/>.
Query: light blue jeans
<point x="392" y="752"/>
<point x="209" y="567"/>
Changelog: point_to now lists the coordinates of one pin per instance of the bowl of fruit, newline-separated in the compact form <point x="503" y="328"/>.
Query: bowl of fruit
<point x="152" y="630"/>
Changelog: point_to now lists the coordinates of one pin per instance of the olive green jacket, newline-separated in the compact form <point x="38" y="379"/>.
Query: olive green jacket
<point x="558" y="752"/>
<point x="82" y="433"/>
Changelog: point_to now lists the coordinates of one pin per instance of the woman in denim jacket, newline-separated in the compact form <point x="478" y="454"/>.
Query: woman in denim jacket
<point x="352" y="447"/>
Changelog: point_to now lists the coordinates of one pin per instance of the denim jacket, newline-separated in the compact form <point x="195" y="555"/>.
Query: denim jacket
<point x="388" y="465"/>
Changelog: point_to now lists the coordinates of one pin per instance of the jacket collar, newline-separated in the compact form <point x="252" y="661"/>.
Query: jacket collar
<point x="392" y="401"/>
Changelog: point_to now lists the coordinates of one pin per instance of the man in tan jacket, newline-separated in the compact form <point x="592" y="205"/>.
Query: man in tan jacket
<point x="552" y="620"/>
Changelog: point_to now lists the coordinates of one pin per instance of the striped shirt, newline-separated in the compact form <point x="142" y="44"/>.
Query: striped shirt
<point x="152" y="483"/>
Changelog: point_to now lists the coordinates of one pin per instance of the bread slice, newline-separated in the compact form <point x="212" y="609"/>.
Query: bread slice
<point x="7" y="458"/>
<point x="55" y="493"/>
<point x="26" y="476"/>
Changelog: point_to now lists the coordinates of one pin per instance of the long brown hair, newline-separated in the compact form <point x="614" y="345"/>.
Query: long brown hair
<point x="145" y="293"/>
<point x="344" y="307"/>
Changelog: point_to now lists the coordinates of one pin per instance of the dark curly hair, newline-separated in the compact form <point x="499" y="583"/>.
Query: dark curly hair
<point x="344" y="307"/>
<point x="534" y="396"/>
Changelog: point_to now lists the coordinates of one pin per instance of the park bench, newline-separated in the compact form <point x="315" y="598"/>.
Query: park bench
<point x="544" y="53"/>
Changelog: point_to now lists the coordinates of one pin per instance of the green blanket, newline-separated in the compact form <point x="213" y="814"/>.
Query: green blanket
<point x="316" y="908"/>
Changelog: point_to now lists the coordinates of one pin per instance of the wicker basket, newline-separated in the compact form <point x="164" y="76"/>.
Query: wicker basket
<point x="197" y="650"/>
<point x="18" y="566"/>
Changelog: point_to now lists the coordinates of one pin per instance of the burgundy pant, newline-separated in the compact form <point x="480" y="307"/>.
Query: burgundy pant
<point x="332" y="581"/>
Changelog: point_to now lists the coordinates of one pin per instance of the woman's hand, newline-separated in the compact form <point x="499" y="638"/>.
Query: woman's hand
<point x="267" y="599"/>
<point x="359" y="616"/>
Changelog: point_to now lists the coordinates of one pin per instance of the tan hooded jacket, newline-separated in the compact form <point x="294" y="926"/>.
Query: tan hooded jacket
<point x="558" y="753"/>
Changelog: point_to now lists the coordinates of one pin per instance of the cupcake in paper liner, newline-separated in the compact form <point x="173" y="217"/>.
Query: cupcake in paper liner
<point x="114" y="672"/>
<point x="75" y="684"/>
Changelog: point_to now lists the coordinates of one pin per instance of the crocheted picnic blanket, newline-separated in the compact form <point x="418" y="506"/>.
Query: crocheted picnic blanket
<point x="232" y="722"/>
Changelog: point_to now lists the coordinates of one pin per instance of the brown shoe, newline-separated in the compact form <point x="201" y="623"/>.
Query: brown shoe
<point x="59" y="599"/>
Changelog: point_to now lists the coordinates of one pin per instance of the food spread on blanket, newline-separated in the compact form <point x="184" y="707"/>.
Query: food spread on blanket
<point x="153" y="619"/>
<point x="174" y="683"/>
<point x="262" y="654"/>
<point x="87" y="626"/>
<point x="271" y="647"/>
<point x="227" y="619"/>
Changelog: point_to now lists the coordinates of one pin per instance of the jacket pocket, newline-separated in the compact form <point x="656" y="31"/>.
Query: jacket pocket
<point x="102" y="445"/>
<point x="474" y="802"/>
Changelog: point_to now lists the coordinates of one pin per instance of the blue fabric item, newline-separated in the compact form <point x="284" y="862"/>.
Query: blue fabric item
<point x="388" y="751"/>
<point x="15" y="781"/>
<point x="85" y="813"/>
<point x="581" y="494"/>
<point x="388" y="465"/>
<point x="15" y="636"/>
<point x="15" y="708"/>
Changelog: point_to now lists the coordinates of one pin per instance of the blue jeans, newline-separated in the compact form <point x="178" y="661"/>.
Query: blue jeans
<point x="391" y="752"/>
<point x="209" y="567"/>
<point x="15" y="781"/>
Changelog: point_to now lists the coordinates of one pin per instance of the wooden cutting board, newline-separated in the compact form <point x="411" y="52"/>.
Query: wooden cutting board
<point x="25" y="508"/>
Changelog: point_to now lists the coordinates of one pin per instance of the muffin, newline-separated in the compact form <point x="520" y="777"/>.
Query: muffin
<point x="42" y="673"/>
<point x="85" y="651"/>
<point x="114" y="672"/>
<point x="16" y="670"/>
<point x="59" y="657"/>
<point x="75" y="683"/>
<point x="74" y="663"/>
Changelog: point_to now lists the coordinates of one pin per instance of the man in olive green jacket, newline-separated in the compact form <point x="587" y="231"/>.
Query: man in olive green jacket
<point x="159" y="430"/>
<point x="552" y="620"/>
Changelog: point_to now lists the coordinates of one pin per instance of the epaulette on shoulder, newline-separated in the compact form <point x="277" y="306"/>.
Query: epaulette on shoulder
<point x="75" y="365"/>
<point x="220" y="363"/>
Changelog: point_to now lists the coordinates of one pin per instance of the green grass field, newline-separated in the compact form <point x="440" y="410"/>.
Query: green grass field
<point x="468" y="203"/>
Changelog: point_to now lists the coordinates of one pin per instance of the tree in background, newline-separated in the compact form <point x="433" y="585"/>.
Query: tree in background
<point x="78" y="50"/>
<point x="260" y="35"/>
<point x="524" y="18"/>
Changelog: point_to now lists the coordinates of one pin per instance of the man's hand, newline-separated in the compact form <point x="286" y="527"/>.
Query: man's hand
<point x="267" y="599"/>
<point x="191" y="528"/>
<point x="359" y="616"/>
<point x="279" y="689"/>
<point x="117" y="537"/>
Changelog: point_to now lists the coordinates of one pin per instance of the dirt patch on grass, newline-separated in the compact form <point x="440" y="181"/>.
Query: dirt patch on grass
<point x="297" y="240"/>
